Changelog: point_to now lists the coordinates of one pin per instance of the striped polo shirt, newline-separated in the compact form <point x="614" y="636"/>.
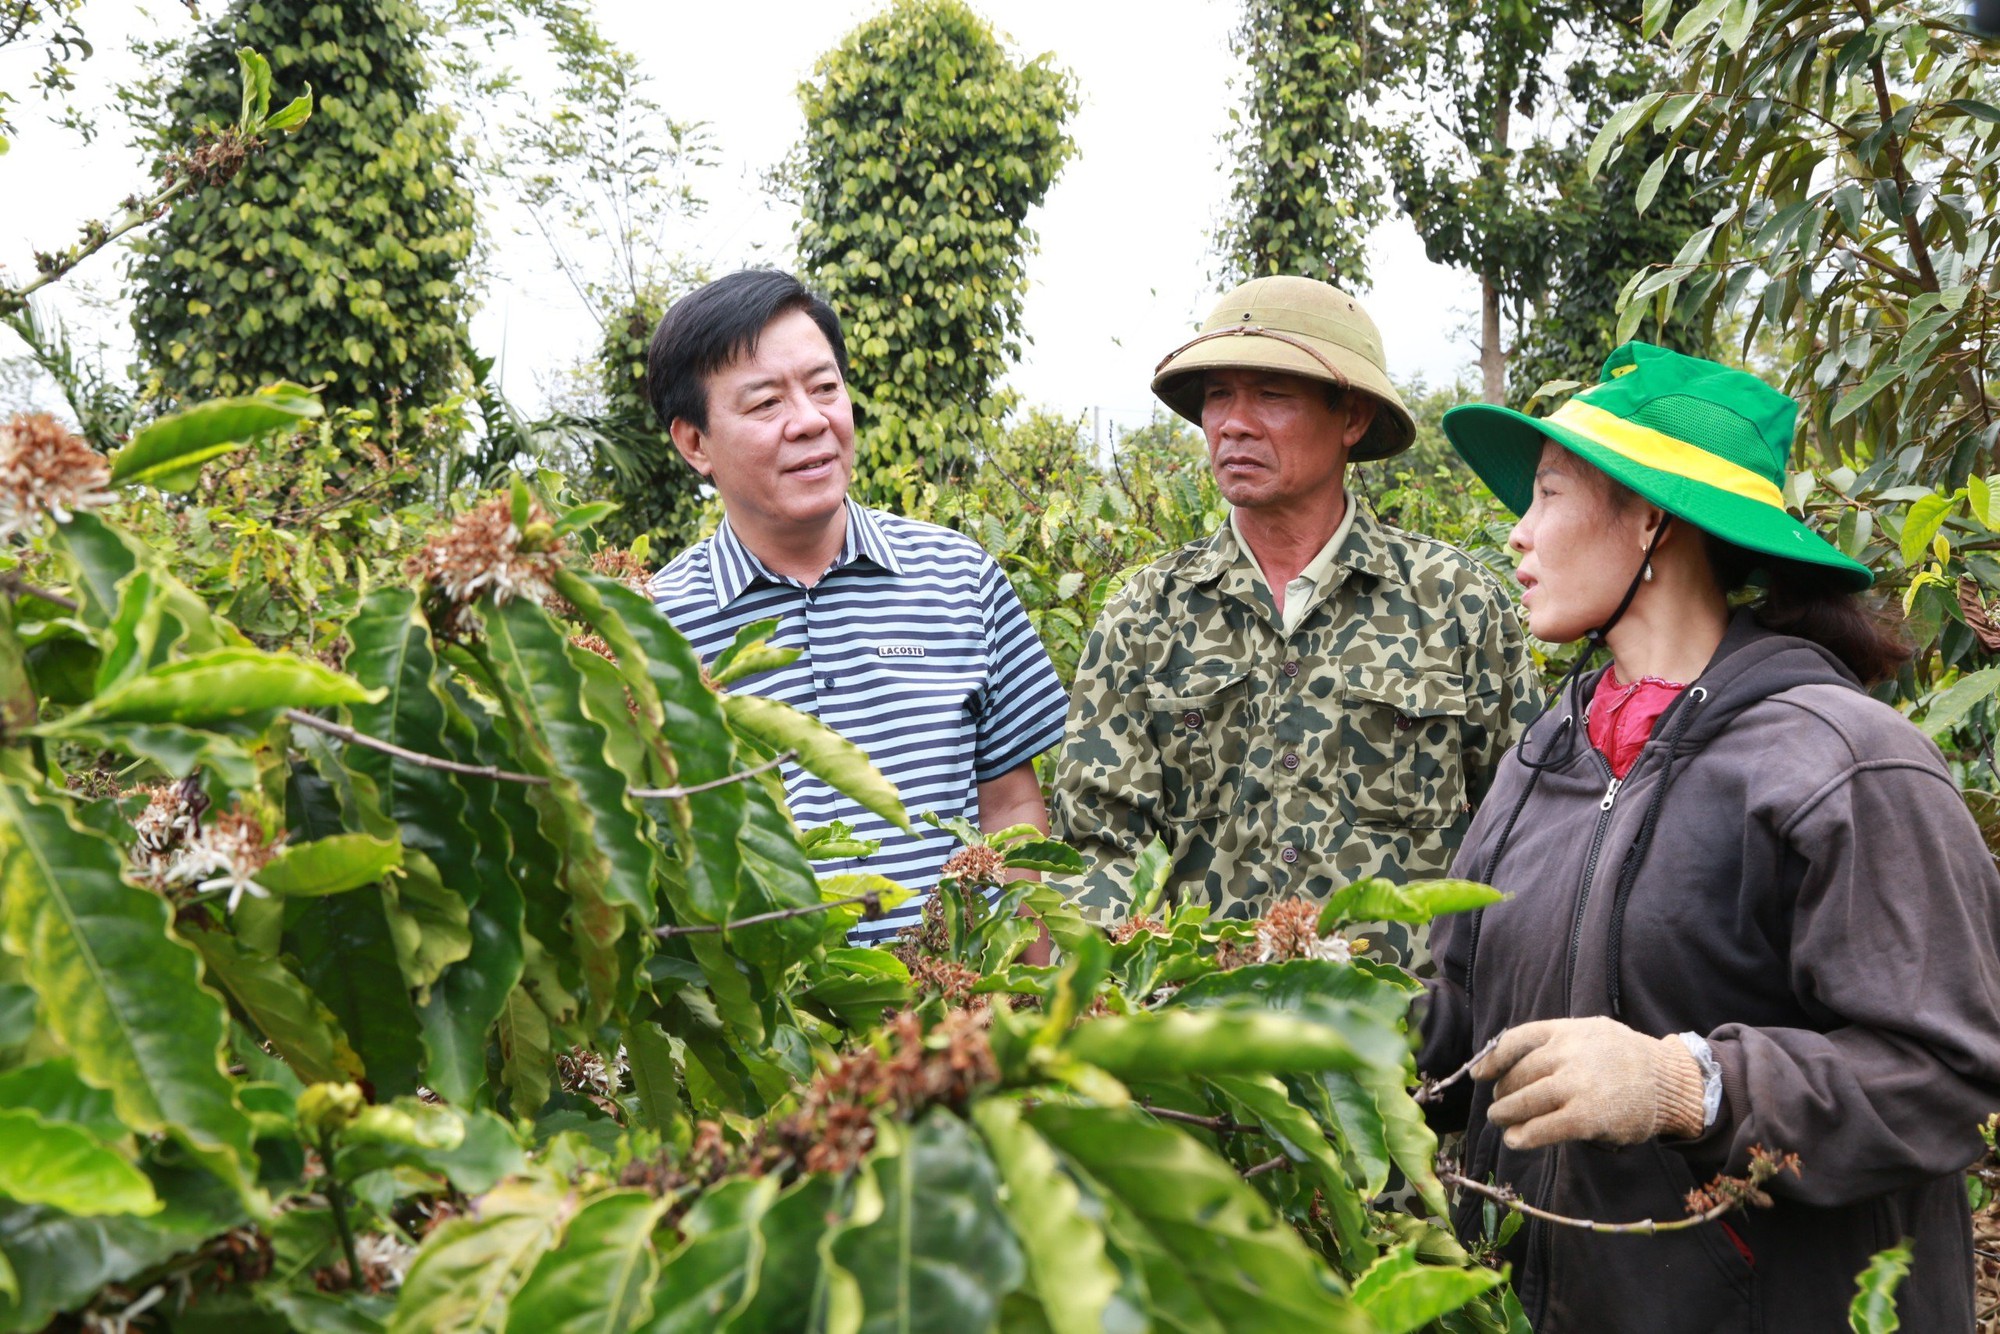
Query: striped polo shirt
<point x="913" y="646"/>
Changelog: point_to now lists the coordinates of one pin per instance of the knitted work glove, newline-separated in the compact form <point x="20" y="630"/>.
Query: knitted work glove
<point x="1591" y="1079"/>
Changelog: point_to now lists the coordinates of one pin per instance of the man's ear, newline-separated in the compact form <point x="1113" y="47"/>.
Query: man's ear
<point x="1361" y="409"/>
<point x="692" y="444"/>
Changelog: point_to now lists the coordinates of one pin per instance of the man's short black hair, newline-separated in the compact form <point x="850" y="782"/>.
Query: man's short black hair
<point x="713" y="326"/>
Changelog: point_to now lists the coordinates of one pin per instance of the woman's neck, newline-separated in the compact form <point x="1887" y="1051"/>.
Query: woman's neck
<point x="1668" y="633"/>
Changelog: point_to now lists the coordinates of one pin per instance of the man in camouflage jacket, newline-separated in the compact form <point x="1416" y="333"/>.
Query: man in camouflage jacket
<point x="1308" y="696"/>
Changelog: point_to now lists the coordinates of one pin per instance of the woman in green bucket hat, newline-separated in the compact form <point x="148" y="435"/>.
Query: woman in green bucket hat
<point x="1747" y="911"/>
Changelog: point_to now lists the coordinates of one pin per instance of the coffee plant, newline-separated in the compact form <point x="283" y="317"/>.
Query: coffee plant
<point x="442" y="956"/>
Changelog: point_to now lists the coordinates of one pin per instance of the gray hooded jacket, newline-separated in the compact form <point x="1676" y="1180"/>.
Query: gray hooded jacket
<point x="1788" y="871"/>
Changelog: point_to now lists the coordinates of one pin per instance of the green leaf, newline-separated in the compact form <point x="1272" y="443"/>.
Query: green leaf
<point x="1649" y="184"/>
<point x="256" y="76"/>
<point x="1696" y="19"/>
<point x="525" y="1055"/>
<point x="168" y="452"/>
<point x="1859" y="397"/>
<point x="1969" y="691"/>
<point x="1213" y="1252"/>
<point x="292" y="1019"/>
<point x="820" y="751"/>
<point x="1403" y="1295"/>
<point x="1873" y="1310"/>
<point x="470" y="1268"/>
<point x="608" y="865"/>
<point x="600" y="1280"/>
<point x="1978" y="110"/>
<point x="789" y="1268"/>
<point x="348" y="957"/>
<point x="293" y="114"/>
<point x="585" y="515"/>
<point x="708" y="1279"/>
<point x="1738" y="22"/>
<point x="60" y="1261"/>
<point x="1921" y="523"/>
<point x="926" y="1249"/>
<point x="118" y="987"/>
<point x="1169" y="1043"/>
<point x="215" y="687"/>
<point x="854" y="986"/>
<point x="1983" y="498"/>
<point x="52" y="1090"/>
<point x="1262" y="1100"/>
<point x="650" y="1055"/>
<point x="1150" y="873"/>
<point x="1068" y="1268"/>
<point x="1048" y="856"/>
<point x="1652" y="18"/>
<point x="1377" y="900"/>
<point x="331" y="865"/>
<point x="51" y="1163"/>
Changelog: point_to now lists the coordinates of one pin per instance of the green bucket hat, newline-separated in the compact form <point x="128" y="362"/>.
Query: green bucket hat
<point x="1705" y="442"/>
<point x="1301" y="327"/>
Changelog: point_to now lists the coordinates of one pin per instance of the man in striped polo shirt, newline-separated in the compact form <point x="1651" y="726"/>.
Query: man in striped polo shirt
<point x="911" y="642"/>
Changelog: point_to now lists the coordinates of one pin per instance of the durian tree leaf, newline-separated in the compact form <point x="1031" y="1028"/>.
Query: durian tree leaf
<point x="122" y="991"/>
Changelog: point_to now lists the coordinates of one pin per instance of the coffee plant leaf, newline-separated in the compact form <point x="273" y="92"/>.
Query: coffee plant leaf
<point x="122" y="992"/>
<point x="600" y="1279"/>
<point x="1068" y="1268"/>
<point x="60" y="1165"/>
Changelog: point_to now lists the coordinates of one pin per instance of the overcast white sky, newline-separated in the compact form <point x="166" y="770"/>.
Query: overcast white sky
<point x="1124" y="269"/>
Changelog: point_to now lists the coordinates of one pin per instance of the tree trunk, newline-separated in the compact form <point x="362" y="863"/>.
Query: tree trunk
<point x="1492" y="357"/>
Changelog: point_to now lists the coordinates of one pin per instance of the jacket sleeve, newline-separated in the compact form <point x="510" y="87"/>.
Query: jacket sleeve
<point x="1107" y="789"/>
<point x="1505" y="691"/>
<point x="1896" y="942"/>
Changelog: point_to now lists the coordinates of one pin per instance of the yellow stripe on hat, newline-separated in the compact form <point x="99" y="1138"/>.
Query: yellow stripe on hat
<point x="1663" y="453"/>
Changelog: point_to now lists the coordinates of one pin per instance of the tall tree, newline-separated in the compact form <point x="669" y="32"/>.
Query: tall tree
<point x="1462" y="112"/>
<point x="352" y="272"/>
<point x="926" y="146"/>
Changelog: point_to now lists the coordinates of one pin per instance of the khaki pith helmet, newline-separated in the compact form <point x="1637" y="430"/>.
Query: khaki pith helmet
<point x="1299" y="326"/>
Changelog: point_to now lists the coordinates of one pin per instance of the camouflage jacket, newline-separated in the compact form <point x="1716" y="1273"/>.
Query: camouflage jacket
<point x="1275" y="766"/>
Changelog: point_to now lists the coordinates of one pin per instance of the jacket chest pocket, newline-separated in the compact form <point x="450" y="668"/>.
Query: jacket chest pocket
<point x="1401" y="740"/>
<point x="1199" y="724"/>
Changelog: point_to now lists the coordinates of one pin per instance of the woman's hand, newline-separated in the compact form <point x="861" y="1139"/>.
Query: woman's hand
<point x="1591" y="1079"/>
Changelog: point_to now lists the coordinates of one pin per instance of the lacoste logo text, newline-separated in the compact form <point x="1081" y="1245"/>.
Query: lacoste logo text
<point x="899" y="650"/>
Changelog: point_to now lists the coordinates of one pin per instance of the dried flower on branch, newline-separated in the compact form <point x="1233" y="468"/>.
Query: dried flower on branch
<point x="228" y="855"/>
<point x="487" y="554"/>
<point x="46" y="469"/>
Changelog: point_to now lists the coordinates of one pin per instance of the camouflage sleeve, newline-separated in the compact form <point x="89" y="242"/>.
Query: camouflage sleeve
<point x="1506" y="690"/>
<point x="1107" y="784"/>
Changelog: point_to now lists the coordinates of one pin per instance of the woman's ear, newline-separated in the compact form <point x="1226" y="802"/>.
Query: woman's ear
<point x="1654" y="520"/>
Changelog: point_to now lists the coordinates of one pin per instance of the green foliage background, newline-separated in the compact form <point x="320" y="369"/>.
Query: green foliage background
<point x="343" y="261"/>
<point x="926" y="146"/>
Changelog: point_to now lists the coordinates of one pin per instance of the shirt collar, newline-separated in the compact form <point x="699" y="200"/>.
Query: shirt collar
<point x="734" y="567"/>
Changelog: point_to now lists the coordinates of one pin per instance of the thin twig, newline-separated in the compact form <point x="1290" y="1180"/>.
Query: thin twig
<point x="1269" y="1165"/>
<point x="418" y="758"/>
<point x="1645" y="1226"/>
<point x="1220" y="1125"/>
<point x="1430" y="1088"/>
<point x="871" y="899"/>
<point x="676" y="793"/>
<point x="11" y="581"/>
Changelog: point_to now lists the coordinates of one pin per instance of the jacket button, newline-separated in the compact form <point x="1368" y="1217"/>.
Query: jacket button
<point x="1291" y="668"/>
<point x="1289" y="855"/>
<point x="1403" y="722"/>
<point x="1291" y="760"/>
<point x="1192" y="718"/>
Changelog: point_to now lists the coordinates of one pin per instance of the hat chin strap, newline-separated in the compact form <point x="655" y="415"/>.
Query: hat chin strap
<point x="1596" y="637"/>
<point x="1281" y="335"/>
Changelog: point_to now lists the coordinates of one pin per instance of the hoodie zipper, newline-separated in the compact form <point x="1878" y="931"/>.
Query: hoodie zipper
<point x="1611" y="785"/>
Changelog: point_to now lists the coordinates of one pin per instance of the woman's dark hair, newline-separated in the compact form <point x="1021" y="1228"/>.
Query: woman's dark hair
<point x="1809" y="601"/>
<point x="713" y="326"/>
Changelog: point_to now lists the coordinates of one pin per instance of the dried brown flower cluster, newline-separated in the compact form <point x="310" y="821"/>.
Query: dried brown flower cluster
<point x="1132" y="926"/>
<point x="585" y="1072"/>
<point x="976" y="866"/>
<point x="594" y="644"/>
<point x="944" y="977"/>
<point x="1727" y="1192"/>
<point x="486" y="554"/>
<point x="47" y="469"/>
<point x="217" y="155"/>
<point x="836" y="1125"/>
<point x="1291" y="931"/>
<point x="618" y="563"/>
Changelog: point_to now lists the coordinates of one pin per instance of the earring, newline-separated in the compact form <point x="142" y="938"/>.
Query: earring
<point x="1646" y="574"/>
